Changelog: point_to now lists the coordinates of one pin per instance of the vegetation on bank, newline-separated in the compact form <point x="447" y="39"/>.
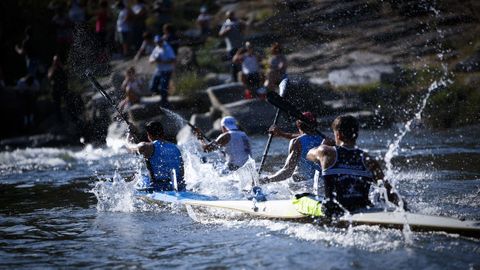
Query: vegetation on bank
<point x="454" y="105"/>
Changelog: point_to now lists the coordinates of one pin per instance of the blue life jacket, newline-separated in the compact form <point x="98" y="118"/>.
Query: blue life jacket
<point x="165" y="158"/>
<point x="348" y="179"/>
<point x="305" y="169"/>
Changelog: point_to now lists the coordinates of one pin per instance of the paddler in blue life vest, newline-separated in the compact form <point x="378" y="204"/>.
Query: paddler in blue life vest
<point x="297" y="166"/>
<point x="163" y="160"/>
<point x="234" y="143"/>
<point x="347" y="171"/>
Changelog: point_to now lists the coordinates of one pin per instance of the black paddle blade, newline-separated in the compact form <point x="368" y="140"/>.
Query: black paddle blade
<point x="281" y="103"/>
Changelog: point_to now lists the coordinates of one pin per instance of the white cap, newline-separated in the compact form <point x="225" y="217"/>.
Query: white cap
<point x="229" y="123"/>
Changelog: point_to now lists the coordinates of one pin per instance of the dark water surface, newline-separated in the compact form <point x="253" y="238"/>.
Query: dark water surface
<point x="49" y="217"/>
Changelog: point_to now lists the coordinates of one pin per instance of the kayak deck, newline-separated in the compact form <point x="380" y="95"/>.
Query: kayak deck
<point x="285" y="210"/>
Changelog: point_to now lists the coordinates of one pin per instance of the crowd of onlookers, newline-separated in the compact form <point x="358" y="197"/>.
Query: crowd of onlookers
<point x="119" y="28"/>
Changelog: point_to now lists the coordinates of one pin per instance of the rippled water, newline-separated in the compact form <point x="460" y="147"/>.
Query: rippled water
<point x="50" y="217"/>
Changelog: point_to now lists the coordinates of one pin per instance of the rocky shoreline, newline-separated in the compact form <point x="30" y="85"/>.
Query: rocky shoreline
<point x="372" y="59"/>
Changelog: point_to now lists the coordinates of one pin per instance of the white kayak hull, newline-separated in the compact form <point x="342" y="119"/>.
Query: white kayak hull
<point x="285" y="210"/>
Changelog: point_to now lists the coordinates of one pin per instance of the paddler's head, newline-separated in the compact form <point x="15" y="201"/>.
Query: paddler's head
<point x="228" y="123"/>
<point x="154" y="130"/>
<point x="308" y="123"/>
<point x="345" y="128"/>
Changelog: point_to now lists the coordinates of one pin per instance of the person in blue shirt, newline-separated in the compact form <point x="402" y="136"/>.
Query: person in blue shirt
<point x="163" y="159"/>
<point x="164" y="58"/>
<point x="297" y="166"/>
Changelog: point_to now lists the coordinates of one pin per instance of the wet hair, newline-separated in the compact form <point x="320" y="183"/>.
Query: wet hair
<point x="147" y="35"/>
<point x="131" y="70"/>
<point x="168" y="27"/>
<point x="154" y="128"/>
<point x="276" y="48"/>
<point x="347" y="125"/>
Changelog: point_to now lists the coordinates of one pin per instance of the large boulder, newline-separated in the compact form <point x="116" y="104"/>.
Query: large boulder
<point x="225" y="93"/>
<point x="254" y="116"/>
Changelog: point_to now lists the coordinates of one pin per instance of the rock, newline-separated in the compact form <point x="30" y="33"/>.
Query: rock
<point x="203" y="121"/>
<point x="40" y="140"/>
<point x="116" y="79"/>
<point x="367" y="120"/>
<point x="185" y="59"/>
<point x="143" y="111"/>
<point x="304" y="96"/>
<point x="342" y="105"/>
<point x="225" y="93"/>
<point x="213" y="79"/>
<point x="255" y="116"/>
<point x="470" y="64"/>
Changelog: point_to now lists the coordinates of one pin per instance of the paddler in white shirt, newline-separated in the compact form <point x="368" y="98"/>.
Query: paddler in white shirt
<point x="234" y="143"/>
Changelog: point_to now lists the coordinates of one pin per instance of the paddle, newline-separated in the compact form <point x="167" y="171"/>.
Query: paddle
<point x="283" y="88"/>
<point x="100" y="88"/>
<point x="282" y="104"/>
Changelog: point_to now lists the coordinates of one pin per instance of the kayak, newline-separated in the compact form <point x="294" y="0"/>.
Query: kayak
<point x="286" y="210"/>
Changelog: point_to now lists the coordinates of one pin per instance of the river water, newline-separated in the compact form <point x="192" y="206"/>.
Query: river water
<point x="57" y="212"/>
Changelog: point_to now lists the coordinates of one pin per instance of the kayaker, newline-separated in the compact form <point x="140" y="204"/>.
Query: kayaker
<point x="163" y="159"/>
<point x="347" y="171"/>
<point x="296" y="165"/>
<point x="234" y="143"/>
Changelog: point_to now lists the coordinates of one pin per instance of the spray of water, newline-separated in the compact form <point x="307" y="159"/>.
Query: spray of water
<point x="393" y="148"/>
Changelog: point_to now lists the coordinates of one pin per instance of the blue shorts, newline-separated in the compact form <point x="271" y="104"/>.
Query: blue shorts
<point x="160" y="79"/>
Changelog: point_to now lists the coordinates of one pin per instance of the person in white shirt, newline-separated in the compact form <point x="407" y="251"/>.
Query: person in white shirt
<point x="234" y="143"/>
<point x="251" y="72"/>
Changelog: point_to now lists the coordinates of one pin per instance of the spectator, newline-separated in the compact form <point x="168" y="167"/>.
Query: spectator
<point x="134" y="83"/>
<point x="277" y="67"/>
<point x="139" y="17"/>
<point x="29" y="50"/>
<point x="77" y="12"/>
<point x="164" y="57"/>
<point x="170" y="37"/>
<point x="232" y="31"/>
<point x="251" y="76"/>
<point x="59" y="81"/>
<point x="203" y="22"/>
<point x="130" y="99"/>
<point x="28" y="88"/>
<point x="101" y="21"/>
<point x="147" y="46"/>
<point x="164" y="11"/>
<point x="63" y="29"/>
<point x="124" y="27"/>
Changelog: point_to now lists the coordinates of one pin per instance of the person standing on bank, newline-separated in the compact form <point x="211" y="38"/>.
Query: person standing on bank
<point x="234" y="142"/>
<point x="231" y="30"/>
<point x="347" y="171"/>
<point x="164" y="57"/>
<point x="297" y="166"/>
<point x="163" y="160"/>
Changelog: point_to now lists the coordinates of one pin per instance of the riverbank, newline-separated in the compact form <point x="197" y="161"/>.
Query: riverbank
<point x="373" y="59"/>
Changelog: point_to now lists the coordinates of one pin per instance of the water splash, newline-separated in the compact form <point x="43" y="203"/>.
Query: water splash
<point x="116" y="195"/>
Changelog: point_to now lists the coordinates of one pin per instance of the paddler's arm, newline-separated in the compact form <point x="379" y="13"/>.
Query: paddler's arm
<point x="275" y="131"/>
<point x="378" y="174"/>
<point x="288" y="168"/>
<point x="222" y="140"/>
<point x="325" y="155"/>
<point x="143" y="148"/>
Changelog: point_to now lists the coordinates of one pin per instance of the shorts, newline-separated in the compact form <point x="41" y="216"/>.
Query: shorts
<point x="123" y="37"/>
<point x="160" y="79"/>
